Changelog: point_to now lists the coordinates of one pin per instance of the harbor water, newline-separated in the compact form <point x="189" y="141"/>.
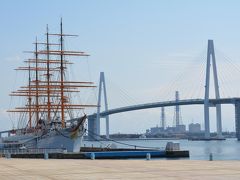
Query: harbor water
<point x="228" y="149"/>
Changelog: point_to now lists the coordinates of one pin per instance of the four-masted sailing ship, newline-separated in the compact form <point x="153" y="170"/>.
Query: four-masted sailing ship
<point x="48" y="109"/>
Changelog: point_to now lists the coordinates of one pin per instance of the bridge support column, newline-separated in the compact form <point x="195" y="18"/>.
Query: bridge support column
<point x="92" y="128"/>
<point x="177" y="110"/>
<point x="219" y="121"/>
<point x="162" y="122"/>
<point x="211" y="56"/>
<point x="206" y="119"/>
<point x="102" y="85"/>
<point x="237" y="119"/>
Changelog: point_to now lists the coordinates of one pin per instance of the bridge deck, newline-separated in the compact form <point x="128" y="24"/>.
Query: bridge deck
<point x="212" y="102"/>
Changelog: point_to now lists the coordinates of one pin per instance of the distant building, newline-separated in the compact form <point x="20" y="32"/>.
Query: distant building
<point x="155" y="130"/>
<point x="180" y="128"/>
<point x="170" y="129"/>
<point x="194" y="128"/>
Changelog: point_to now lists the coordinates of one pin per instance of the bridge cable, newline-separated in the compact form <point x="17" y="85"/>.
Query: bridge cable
<point x="125" y="97"/>
<point x="167" y="90"/>
<point x="228" y="65"/>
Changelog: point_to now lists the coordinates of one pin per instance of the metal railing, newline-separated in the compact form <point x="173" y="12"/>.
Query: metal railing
<point x="31" y="151"/>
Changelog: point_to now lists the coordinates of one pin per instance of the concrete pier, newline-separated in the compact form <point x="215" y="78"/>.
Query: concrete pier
<point x="117" y="169"/>
<point x="237" y="119"/>
<point x="107" y="154"/>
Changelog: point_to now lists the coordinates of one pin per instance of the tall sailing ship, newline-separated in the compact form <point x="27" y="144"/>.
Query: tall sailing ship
<point x="48" y="112"/>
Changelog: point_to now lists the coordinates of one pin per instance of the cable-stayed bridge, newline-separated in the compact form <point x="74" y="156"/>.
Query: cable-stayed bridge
<point x="212" y="103"/>
<point x="94" y="119"/>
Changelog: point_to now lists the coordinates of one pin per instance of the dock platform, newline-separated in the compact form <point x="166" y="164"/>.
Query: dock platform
<point x="29" y="169"/>
<point x="107" y="155"/>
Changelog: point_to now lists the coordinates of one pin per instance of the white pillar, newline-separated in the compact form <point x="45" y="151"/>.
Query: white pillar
<point x="162" y="123"/>
<point x="217" y="94"/>
<point x="102" y="85"/>
<point x="211" y="55"/>
<point x="206" y="98"/>
<point x="177" y="109"/>
<point x="99" y="106"/>
<point x="105" y="103"/>
<point x="237" y="119"/>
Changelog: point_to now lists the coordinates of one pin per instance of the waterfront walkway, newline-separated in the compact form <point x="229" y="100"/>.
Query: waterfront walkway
<point x="118" y="169"/>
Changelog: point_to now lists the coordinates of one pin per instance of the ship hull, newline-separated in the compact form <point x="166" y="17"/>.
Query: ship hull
<point x="62" y="140"/>
<point x="53" y="140"/>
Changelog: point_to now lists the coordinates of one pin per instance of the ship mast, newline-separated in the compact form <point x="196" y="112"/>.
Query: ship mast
<point x="29" y="97"/>
<point x="37" y="83"/>
<point x="48" y="80"/>
<point x="50" y="93"/>
<point x="62" y="75"/>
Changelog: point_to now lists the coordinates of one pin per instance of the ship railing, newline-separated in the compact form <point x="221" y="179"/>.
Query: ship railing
<point x="32" y="151"/>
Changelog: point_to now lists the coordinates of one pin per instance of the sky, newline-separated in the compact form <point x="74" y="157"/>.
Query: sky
<point x="147" y="49"/>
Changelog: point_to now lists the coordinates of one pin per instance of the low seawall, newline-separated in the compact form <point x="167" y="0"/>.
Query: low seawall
<point x="106" y="155"/>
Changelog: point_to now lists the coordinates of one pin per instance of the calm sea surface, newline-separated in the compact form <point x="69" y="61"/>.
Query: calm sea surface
<point x="199" y="150"/>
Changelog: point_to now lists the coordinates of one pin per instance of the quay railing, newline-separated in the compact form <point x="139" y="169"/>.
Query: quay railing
<point x="31" y="151"/>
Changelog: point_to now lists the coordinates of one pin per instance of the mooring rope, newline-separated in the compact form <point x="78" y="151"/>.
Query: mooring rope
<point x="126" y="144"/>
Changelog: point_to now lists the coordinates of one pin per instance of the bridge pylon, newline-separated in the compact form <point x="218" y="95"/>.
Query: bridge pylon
<point x="102" y="86"/>
<point x="177" y="110"/>
<point x="237" y="119"/>
<point x="162" y="122"/>
<point x="211" y="57"/>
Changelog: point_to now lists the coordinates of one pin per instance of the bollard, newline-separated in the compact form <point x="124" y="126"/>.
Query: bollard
<point x="148" y="156"/>
<point x="92" y="156"/>
<point x="45" y="155"/>
<point x="210" y="157"/>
